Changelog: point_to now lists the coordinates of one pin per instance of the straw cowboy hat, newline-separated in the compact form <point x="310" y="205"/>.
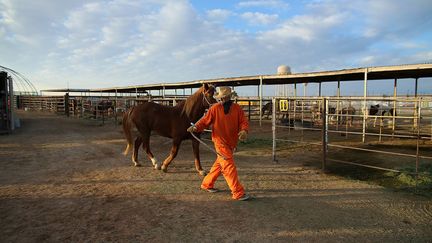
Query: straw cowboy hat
<point x="223" y="92"/>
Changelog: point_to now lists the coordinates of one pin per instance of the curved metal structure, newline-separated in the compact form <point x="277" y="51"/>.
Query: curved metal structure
<point x="22" y="86"/>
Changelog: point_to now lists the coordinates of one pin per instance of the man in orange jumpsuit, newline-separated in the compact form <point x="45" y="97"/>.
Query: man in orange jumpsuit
<point x="229" y="125"/>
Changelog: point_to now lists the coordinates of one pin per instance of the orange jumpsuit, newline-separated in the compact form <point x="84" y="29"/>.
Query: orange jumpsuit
<point x="225" y="129"/>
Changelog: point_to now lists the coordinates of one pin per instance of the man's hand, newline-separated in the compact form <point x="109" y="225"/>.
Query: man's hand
<point x="192" y="129"/>
<point x="242" y="135"/>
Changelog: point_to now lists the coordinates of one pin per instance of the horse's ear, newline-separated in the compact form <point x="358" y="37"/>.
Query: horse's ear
<point x="206" y="86"/>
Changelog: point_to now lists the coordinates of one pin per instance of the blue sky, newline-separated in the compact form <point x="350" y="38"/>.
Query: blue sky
<point x="94" y="44"/>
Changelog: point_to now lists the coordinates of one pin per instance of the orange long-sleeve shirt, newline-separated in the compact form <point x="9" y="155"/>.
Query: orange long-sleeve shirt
<point x="225" y="127"/>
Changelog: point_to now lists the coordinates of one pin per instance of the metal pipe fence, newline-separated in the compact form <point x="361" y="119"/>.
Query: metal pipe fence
<point x="410" y="121"/>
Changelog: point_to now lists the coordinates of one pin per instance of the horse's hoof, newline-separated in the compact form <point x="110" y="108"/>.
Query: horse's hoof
<point x="154" y="161"/>
<point x="164" y="169"/>
<point x="202" y="172"/>
<point x="137" y="165"/>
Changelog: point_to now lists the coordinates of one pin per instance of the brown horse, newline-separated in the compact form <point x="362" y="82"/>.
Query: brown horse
<point x="167" y="121"/>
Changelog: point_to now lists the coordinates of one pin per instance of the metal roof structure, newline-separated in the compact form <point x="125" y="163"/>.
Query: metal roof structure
<point x="67" y="90"/>
<point x="355" y="74"/>
<point x="21" y="84"/>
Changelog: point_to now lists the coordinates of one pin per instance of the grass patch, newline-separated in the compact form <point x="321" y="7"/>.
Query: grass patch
<point x="407" y="177"/>
<point x="406" y="180"/>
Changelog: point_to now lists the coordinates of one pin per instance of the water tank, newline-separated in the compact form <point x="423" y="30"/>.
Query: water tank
<point x="283" y="70"/>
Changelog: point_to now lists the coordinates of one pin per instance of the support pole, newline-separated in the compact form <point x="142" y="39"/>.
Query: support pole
<point x="416" y="105"/>
<point x="338" y="108"/>
<point x="418" y="101"/>
<point x="115" y="108"/>
<point x="260" y="100"/>
<point x="365" y="111"/>
<point x="289" y="117"/>
<point x="249" y="110"/>
<point x="324" y="133"/>
<point x="136" y="94"/>
<point x="66" y="104"/>
<point x="11" y="102"/>
<point x="295" y="103"/>
<point x="304" y="96"/>
<point x="394" y="107"/>
<point x="274" y="129"/>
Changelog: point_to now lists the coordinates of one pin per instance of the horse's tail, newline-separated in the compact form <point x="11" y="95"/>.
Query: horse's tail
<point x="127" y="130"/>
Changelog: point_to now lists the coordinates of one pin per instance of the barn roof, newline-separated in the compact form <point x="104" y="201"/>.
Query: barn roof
<point x="355" y="74"/>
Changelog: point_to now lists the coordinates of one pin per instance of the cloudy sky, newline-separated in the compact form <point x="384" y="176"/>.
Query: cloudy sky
<point x="95" y="44"/>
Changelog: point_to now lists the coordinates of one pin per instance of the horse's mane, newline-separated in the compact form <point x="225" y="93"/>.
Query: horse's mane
<point x="191" y="101"/>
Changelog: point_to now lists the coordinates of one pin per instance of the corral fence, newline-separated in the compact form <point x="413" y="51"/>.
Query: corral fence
<point x="111" y="108"/>
<point x="400" y="127"/>
<point x="90" y="107"/>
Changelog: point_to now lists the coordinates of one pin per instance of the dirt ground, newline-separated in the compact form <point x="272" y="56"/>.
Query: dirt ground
<point x="64" y="179"/>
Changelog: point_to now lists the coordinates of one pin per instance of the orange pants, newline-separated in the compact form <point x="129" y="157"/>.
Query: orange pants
<point x="228" y="169"/>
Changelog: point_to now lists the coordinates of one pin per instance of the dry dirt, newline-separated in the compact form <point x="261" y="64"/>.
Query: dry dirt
<point x="64" y="179"/>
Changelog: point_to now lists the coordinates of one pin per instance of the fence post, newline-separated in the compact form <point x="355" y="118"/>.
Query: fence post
<point x="274" y="129"/>
<point x="115" y="108"/>
<point x="66" y="104"/>
<point x="249" y="110"/>
<point x="418" y="116"/>
<point x="324" y="132"/>
<point x="365" y="112"/>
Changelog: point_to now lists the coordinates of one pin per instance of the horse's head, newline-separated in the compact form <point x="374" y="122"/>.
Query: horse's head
<point x="194" y="106"/>
<point x="208" y="90"/>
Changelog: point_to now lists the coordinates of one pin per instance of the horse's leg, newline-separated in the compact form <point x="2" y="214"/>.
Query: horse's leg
<point x="146" y="147"/>
<point x="137" y="144"/>
<point x="172" y="155"/>
<point x="195" y="147"/>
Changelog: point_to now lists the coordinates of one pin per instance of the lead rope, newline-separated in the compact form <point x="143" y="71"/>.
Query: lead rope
<point x="207" y="146"/>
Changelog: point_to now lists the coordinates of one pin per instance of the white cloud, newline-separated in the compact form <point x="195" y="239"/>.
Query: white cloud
<point x="279" y="4"/>
<point x="257" y="18"/>
<point x="218" y="15"/>
<point x="305" y="27"/>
